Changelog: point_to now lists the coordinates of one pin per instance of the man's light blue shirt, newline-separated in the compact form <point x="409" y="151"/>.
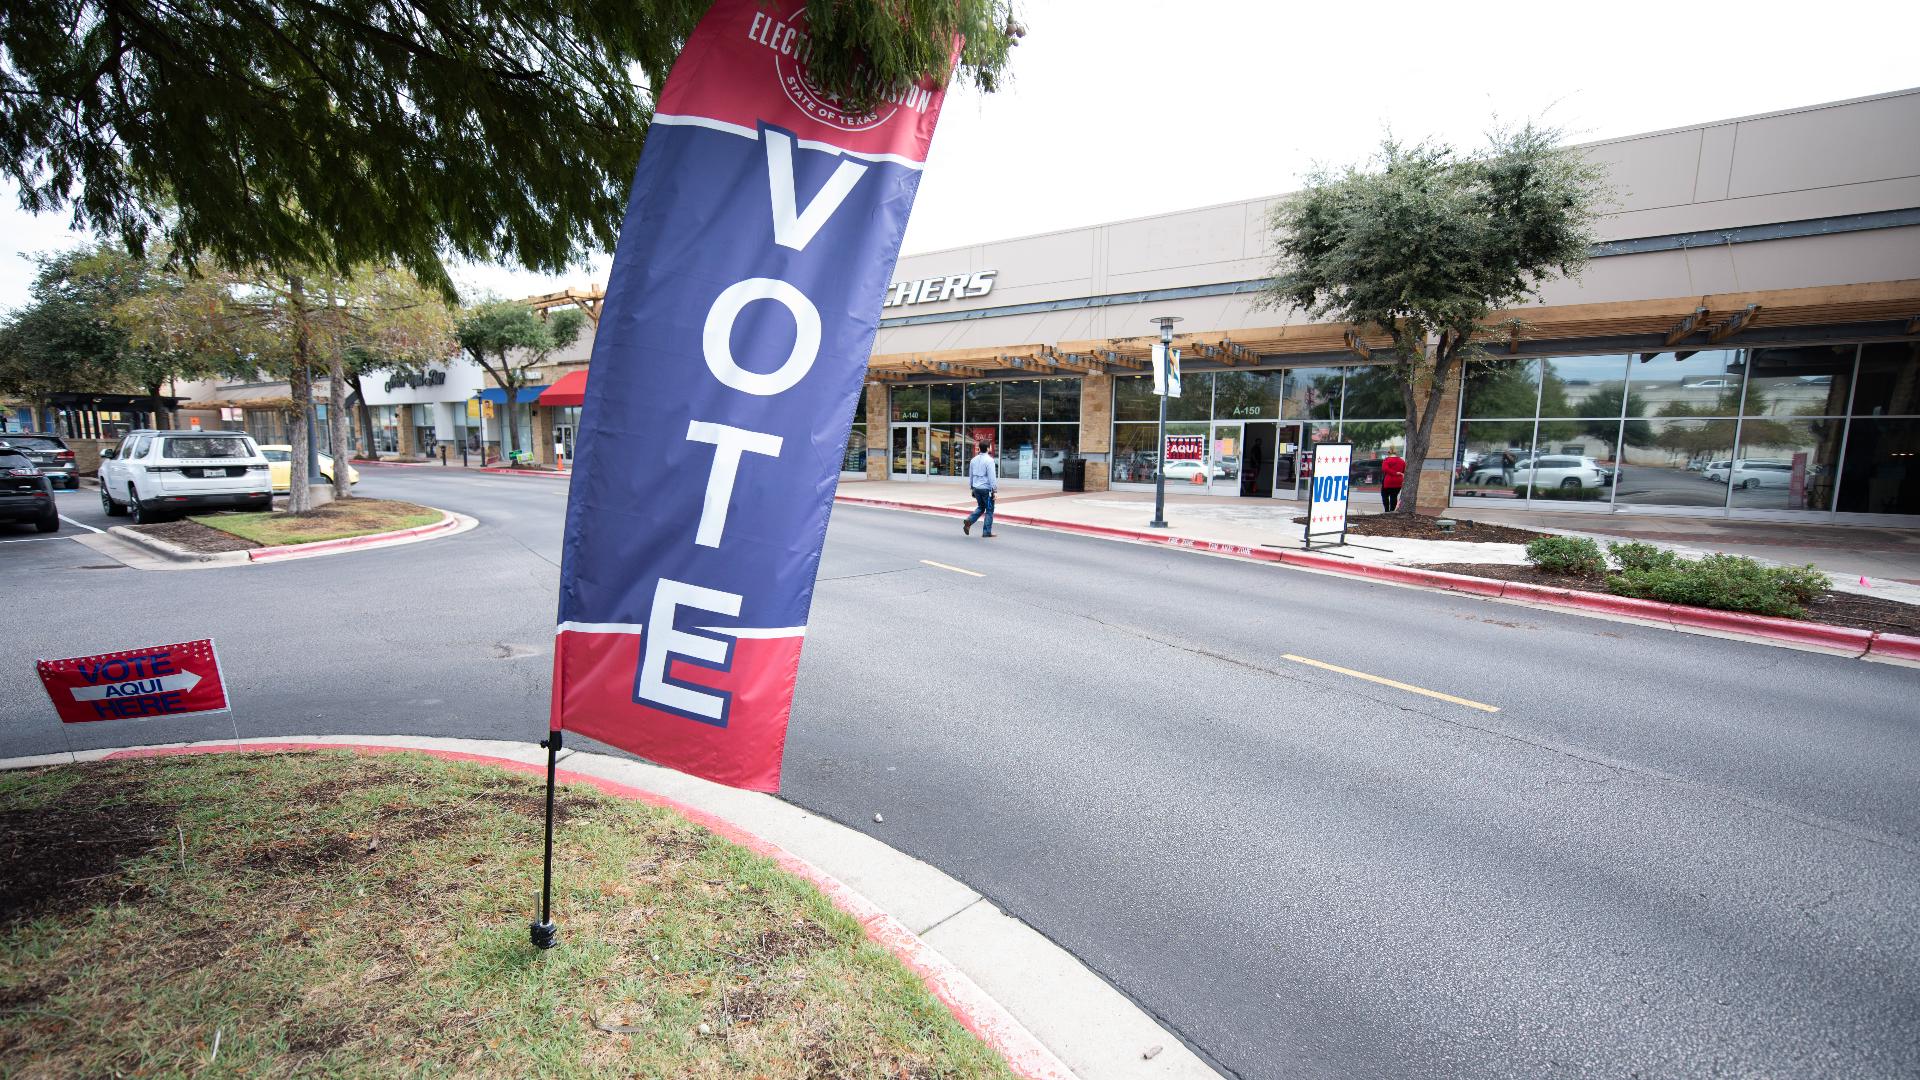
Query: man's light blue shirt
<point x="981" y="472"/>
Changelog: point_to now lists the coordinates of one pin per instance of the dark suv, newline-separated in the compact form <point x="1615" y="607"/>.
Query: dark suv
<point x="25" y="493"/>
<point x="48" y="453"/>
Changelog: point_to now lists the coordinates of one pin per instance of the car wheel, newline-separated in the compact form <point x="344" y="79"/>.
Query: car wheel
<point x="1570" y="482"/>
<point x="262" y="505"/>
<point x="1749" y="483"/>
<point x="138" y="513"/>
<point x="111" y="508"/>
<point x="50" y="523"/>
<point x="1046" y="474"/>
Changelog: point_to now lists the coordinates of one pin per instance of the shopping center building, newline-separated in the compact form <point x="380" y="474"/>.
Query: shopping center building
<point x="1745" y="342"/>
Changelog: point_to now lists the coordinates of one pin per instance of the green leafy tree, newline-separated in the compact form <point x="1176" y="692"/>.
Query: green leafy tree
<point x="509" y="341"/>
<point x="66" y="338"/>
<point x="297" y="325"/>
<point x="1428" y="245"/>
<point x="338" y="133"/>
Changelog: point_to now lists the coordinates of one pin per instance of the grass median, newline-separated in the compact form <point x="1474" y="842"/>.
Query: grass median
<point x="338" y="914"/>
<point x="334" y="521"/>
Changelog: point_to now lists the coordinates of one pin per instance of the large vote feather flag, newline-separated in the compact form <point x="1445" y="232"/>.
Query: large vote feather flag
<point x="746" y="289"/>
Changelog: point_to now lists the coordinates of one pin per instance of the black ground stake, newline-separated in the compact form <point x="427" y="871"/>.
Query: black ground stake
<point x="545" y="935"/>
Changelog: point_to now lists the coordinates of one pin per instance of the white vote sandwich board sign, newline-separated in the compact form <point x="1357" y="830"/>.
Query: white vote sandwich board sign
<point x="1327" y="512"/>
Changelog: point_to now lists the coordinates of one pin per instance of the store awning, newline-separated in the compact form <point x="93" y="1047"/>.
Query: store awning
<point x="527" y="395"/>
<point x="571" y="389"/>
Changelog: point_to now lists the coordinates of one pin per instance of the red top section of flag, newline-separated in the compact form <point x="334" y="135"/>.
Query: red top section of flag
<point x="136" y="684"/>
<point x="757" y="53"/>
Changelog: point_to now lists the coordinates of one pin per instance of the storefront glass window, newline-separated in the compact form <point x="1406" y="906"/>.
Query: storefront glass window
<point x="1060" y="400"/>
<point x="855" y="459"/>
<point x="1583" y="386"/>
<point x="1881" y="474"/>
<point x="947" y="450"/>
<point x="983" y="403"/>
<point x="1247" y="395"/>
<point x="1812" y="381"/>
<point x="1058" y="442"/>
<point x="1492" y="457"/>
<point x="909" y="404"/>
<point x="1373" y="393"/>
<point x="1195" y="401"/>
<point x="1019" y="443"/>
<point x="943" y="403"/>
<point x="1501" y="390"/>
<point x="1020" y="401"/>
<point x="1686" y="384"/>
<point x="1312" y="394"/>
<point x="1889" y="381"/>
<point x="1133" y="398"/>
<point x="1785" y="464"/>
<point x="1133" y="453"/>
<point x="1675" y="463"/>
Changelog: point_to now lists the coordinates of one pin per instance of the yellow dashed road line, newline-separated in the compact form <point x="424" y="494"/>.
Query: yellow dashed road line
<point x="1397" y="685"/>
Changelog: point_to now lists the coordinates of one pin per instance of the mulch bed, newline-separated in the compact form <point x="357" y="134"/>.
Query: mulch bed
<point x="1832" y="609"/>
<point x="195" y="537"/>
<point x="1422" y="527"/>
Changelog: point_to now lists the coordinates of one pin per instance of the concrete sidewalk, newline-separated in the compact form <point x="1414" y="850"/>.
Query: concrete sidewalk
<point x="1049" y="1014"/>
<point x="1888" y="558"/>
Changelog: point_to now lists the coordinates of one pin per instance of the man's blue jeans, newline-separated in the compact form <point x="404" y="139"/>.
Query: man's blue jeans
<point x="983" y="505"/>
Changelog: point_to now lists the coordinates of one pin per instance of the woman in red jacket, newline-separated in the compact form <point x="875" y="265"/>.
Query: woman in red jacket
<point x="1393" y="473"/>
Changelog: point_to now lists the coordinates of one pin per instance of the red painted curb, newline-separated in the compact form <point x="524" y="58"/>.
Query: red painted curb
<point x="268" y="554"/>
<point x="1793" y="631"/>
<point x="1895" y="646"/>
<point x="984" y="1017"/>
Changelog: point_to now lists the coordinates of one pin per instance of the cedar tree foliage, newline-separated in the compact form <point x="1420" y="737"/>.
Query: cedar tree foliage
<point x="342" y="133"/>
<point x="1428" y="244"/>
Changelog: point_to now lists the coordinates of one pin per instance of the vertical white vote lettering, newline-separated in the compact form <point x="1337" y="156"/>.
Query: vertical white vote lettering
<point x="728" y="444"/>
<point x="661" y="642"/>
<point x="795" y="228"/>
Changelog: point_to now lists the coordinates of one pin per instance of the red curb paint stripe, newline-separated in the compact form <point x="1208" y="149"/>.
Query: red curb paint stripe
<point x="268" y="554"/>
<point x="980" y="1014"/>
<point x="1766" y="628"/>
<point x="1895" y="646"/>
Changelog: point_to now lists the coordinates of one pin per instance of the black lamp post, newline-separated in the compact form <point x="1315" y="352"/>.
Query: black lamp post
<point x="1166" y="383"/>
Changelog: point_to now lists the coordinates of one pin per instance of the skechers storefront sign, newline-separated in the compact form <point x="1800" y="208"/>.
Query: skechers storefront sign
<point x="935" y="289"/>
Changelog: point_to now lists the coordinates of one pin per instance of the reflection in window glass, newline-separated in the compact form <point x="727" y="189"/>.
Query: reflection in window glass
<point x="1676" y="384"/>
<point x="1490" y="458"/>
<point x="1018" y="444"/>
<point x="1196" y="398"/>
<point x="1889" y="381"/>
<point x="1058" y="442"/>
<point x="1583" y="386"/>
<point x="1312" y="394"/>
<point x="1502" y="389"/>
<point x="1373" y="393"/>
<point x="1574" y="461"/>
<point x="983" y="403"/>
<point x="909" y="403"/>
<point x="947" y="451"/>
<point x="1784" y="465"/>
<point x="1882" y="470"/>
<point x="1133" y="398"/>
<point x="943" y="403"/>
<point x="1811" y="381"/>
<point x="1133" y="453"/>
<point x="1246" y="395"/>
<point x="1678" y="463"/>
<point x="1020" y="400"/>
<point x="1372" y="441"/>
<point x="1060" y="400"/>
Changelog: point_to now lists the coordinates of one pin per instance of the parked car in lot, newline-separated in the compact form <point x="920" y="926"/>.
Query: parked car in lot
<point x="280" y="465"/>
<point x="48" y="453"/>
<point x="26" y="495"/>
<point x="1742" y="473"/>
<point x="156" y="474"/>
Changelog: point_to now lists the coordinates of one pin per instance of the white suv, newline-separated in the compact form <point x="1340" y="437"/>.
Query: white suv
<point x="154" y="474"/>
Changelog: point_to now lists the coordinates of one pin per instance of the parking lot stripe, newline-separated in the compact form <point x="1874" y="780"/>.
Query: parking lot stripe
<point x="955" y="569"/>
<point x="82" y="524"/>
<point x="1396" y="684"/>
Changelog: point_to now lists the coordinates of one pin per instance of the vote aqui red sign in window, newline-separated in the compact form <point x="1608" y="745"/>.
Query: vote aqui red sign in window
<point x="136" y="684"/>
<point x="1186" y="447"/>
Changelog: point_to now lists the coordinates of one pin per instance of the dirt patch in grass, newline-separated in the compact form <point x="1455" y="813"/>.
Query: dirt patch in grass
<point x="338" y="914"/>
<point x="1422" y="527"/>
<point x="1832" y="609"/>
<point x="193" y="536"/>
<point x="335" y="521"/>
<point x="79" y="855"/>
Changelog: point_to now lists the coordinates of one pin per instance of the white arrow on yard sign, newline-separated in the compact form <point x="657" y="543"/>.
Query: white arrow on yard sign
<point x="185" y="680"/>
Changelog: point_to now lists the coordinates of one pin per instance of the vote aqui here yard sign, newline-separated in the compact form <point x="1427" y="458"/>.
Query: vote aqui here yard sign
<point x="136" y="684"/>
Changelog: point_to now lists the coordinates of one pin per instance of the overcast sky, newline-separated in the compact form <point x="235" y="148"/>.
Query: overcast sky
<point x="1123" y="108"/>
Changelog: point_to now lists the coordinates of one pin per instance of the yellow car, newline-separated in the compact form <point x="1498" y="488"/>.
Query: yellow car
<point x="280" y="466"/>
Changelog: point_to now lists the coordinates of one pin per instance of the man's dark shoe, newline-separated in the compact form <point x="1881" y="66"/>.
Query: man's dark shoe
<point x="966" y="526"/>
<point x="986" y="536"/>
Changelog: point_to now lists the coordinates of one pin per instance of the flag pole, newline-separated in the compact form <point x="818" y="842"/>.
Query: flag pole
<point x="544" y="934"/>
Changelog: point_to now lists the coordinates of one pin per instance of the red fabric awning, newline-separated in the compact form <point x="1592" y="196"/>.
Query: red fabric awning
<point x="571" y="389"/>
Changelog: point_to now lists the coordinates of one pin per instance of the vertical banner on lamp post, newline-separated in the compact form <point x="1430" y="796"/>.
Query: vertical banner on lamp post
<point x="759" y="241"/>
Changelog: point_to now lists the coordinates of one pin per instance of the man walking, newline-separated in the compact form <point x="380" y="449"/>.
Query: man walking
<point x="981" y="474"/>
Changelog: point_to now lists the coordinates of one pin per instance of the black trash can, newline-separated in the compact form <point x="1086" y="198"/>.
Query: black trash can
<point x="1074" y="475"/>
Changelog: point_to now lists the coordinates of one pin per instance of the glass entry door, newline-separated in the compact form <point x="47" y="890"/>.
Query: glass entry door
<point x="1292" y="461"/>
<point x="1227" y="454"/>
<point x="909" y="451"/>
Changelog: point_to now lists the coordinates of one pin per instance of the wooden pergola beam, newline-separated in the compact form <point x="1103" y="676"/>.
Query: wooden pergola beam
<point x="1686" y="326"/>
<point x="1733" y="324"/>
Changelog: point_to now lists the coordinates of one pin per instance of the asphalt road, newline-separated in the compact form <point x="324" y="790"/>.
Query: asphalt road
<point x="1665" y="855"/>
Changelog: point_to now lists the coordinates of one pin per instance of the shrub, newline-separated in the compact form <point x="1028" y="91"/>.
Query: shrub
<point x="1727" y="582"/>
<point x="1562" y="494"/>
<point x="1566" y="555"/>
<point x="1640" y="557"/>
